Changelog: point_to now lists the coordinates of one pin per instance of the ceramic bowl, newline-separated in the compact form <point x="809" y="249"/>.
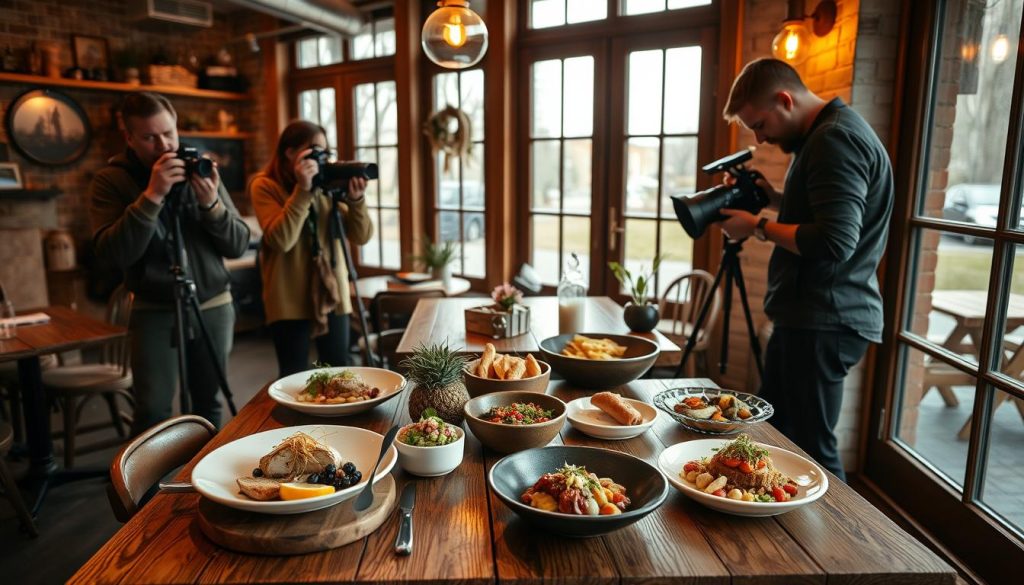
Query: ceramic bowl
<point x="587" y="374"/>
<point x="286" y="390"/>
<point x="760" y="409"/>
<point x="511" y="438"/>
<point x="431" y="461"/>
<point x="591" y="420"/>
<point x="478" y="386"/>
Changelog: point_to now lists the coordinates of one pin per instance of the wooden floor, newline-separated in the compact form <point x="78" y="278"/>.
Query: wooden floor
<point x="76" y="519"/>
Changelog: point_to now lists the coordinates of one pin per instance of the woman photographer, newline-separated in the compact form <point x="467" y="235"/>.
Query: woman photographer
<point x="302" y="264"/>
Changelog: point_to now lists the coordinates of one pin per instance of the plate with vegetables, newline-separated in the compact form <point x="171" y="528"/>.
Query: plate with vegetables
<point x="328" y="391"/>
<point x="743" y="477"/>
<point x="713" y="411"/>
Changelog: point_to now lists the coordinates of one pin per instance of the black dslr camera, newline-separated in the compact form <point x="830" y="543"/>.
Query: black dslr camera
<point x="195" y="164"/>
<point x="333" y="177"/>
<point x="697" y="211"/>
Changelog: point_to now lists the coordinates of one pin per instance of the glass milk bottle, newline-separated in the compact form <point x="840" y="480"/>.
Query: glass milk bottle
<point x="572" y="298"/>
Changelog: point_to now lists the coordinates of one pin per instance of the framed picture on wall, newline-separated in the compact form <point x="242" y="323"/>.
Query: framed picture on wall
<point x="228" y="153"/>
<point x="10" y="177"/>
<point x="48" y="127"/>
<point x="90" y="53"/>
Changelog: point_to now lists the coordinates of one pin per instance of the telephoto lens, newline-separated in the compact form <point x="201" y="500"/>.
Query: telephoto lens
<point x="336" y="175"/>
<point x="696" y="212"/>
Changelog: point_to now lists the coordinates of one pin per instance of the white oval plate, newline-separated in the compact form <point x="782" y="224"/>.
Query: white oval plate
<point x="285" y="390"/>
<point x="591" y="420"/>
<point x="811" y="480"/>
<point x="214" y="476"/>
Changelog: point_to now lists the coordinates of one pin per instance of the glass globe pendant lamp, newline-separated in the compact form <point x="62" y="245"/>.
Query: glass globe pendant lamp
<point x="454" y="36"/>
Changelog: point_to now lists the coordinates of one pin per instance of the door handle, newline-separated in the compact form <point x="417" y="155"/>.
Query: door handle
<point x="614" y="229"/>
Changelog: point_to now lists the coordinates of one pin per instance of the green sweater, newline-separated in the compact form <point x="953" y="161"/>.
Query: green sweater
<point x="286" y="256"/>
<point x="132" y="233"/>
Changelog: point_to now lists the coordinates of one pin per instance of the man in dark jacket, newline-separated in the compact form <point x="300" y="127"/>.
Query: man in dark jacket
<point x="823" y="296"/>
<point x="131" y="206"/>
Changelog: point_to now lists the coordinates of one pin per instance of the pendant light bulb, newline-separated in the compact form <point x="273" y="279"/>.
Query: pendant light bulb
<point x="454" y="36"/>
<point x="793" y="43"/>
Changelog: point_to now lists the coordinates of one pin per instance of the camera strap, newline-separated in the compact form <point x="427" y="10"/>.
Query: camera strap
<point x="311" y="221"/>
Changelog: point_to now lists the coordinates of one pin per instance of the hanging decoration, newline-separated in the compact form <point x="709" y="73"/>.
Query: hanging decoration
<point x="449" y="131"/>
<point x="454" y="36"/>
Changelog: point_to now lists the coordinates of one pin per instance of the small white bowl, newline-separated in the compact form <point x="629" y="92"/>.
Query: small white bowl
<point x="591" y="420"/>
<point x="431" y="461"/>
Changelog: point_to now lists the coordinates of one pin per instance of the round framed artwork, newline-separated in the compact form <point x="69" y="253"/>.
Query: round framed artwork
<point x="48" y="127"/>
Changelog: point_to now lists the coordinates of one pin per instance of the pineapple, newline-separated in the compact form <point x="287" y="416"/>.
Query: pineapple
<point x="437" y="372"/>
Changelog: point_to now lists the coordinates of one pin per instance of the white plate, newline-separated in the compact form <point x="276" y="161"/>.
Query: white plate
<point x="285" y="390"/>
<point x="591" y="420"/>
<point x="214" y="476"/>
<point x="811" y="480"/>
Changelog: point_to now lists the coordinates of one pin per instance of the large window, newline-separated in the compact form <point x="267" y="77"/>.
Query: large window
<point x="459" y="193"/>
<point x="957" y="407"/>
<point x="376" y="140"/>
<point x="376" y="39"/>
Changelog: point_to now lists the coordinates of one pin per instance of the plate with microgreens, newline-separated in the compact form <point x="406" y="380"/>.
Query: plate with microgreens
<point x="327" y="391"/>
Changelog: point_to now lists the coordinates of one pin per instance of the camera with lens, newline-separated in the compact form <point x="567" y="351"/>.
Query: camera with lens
<point x="699" y="210"/>
<point x="333" y="177"/>
<point x="194" y="163"/>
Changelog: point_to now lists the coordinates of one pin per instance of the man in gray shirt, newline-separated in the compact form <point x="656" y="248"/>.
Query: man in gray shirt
<point x="832" y="226"/>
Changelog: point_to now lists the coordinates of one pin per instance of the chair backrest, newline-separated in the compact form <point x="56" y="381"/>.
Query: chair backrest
<point x="156" y="452"/>
<point x="683" y="300"/>
<point x="119" y="309"/>
<point x="389" y="305"/>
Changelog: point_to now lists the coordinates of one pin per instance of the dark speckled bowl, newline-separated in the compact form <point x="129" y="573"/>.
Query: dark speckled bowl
<point x="601" y="374"/>
<point x="645" y="486"/>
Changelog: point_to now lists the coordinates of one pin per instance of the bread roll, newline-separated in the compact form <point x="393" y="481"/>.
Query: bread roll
<point x="617" y="408"/>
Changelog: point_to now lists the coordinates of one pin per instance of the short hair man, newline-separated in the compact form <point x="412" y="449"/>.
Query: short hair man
<point x="833" y="221"/>
<point x="131" y="221"/>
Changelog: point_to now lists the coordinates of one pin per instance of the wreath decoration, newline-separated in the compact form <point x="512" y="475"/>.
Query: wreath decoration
<point x="448" y="131"/>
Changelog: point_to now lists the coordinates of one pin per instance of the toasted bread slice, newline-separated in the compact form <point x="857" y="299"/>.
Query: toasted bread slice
<point x="259" y="488"/>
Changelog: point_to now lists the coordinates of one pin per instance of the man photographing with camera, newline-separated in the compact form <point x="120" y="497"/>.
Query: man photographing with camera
<point x="134" y="202"/>
<point x="833" y="221"/>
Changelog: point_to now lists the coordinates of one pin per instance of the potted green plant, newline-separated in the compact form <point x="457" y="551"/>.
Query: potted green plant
<point x="640" y="314"/>
<point x="437" y="371"/>
<point x="437" y="259"/>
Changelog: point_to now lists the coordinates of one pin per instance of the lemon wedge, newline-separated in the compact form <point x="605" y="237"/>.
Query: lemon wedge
<point x="301" y="491"/>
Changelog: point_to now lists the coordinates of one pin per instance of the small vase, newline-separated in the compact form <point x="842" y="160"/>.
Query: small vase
<point x="640" y="318"/>
<point x="444" y="274"/>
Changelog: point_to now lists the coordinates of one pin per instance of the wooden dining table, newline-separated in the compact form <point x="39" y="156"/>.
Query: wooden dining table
<point x="444" y="320"/>
<point x="368" y="287"/>
<point x="66" y="330"/>
<point x="464" y="534"/>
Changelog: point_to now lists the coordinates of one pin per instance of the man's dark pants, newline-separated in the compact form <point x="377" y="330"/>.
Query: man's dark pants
<point x="803" y="380"/>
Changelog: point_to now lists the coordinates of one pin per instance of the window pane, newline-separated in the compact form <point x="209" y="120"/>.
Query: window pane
<point x="369" y="254"/>
<point x="306" y="53"/>
<point x="474" y="248"/>
<point x="544" y="249"/>
<point x="1002" y="484"/>
<point x="936" y="402"/>
<point x="645" y="76"/>
<point x="387" y="113"/>
<point x="448" y="227"/>
<point x="641" y="245"/>
<point x="328" y="116"/>
<point x="446" y="90"/>
<point x="544" y="167"/>
<point x="576" y="175"/>
<point x="388" y="168"/>
<point x="448" y="194"/>
<point x="329" y="49"/>
<point x="682" y="90"/>
<point x="389" y="239"/>
<point x="972" y="112"/>
<point x="576" y="238"/>
<point x="579" y="97"/>
<point x="372" y="187"/>
<point x="308" y="107"/>
<point x="362" y="43"/>
<point x="546" y="91"/>
<point x="676" y="254"/>
<point x="472" y="100"/>
<point x="674" y="4"/>
<point x="1012" y="363"/>
<point x="473" y="179"/>
<point x="545" y="13"/>
<point x="679" y="170"/>
<point x="643" y="6"/>
<point x="586" y="10"/>
<point x="384" y="38"/>
<point x="366" y="120"/>
<point x="642" y="176"/>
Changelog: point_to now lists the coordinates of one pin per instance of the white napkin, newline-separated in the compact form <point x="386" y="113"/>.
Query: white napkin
<point x="28" y="319"/>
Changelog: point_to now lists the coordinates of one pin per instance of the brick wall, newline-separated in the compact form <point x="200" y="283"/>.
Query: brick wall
<point x="856" y="62"/>
<point x="24" y="21"/>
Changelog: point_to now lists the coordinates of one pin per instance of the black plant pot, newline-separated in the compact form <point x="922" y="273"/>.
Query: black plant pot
<point x="641" y="318"/>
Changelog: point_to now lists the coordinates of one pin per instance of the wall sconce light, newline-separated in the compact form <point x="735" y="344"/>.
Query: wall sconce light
<point x="793" y="43"/>
<point x="1000" y="47"/>
<point x="454" y="36"/>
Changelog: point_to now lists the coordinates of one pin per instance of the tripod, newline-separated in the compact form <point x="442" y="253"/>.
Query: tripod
<point x="732" y="273"/>
<point x="185" y="298"/>
<point x="338" y="229"/>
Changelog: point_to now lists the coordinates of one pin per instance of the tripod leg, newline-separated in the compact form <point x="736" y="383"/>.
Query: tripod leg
<point x="352" y="278"/>
<point x="691" y="341"/>
<point x="180" y="336"/>
<point x="221" y="376"/>
<point x="723" y="357"/>
<point x="755" y="344"/>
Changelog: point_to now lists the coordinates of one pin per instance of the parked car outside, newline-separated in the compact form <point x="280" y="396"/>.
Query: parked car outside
<point x="448" y="202"/>
<point x="972" y="203"/>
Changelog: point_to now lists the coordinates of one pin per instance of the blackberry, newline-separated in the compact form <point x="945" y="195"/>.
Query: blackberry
<point x="349" y="468"/>
<point x="257" y="472"/>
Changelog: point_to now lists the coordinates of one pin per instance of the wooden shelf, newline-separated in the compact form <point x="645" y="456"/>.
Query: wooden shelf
<point x="120" y="87"/>
<point x="29" y="194"/>
<point x="204" y="134"/>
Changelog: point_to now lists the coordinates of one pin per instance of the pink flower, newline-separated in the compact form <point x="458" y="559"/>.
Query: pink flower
<point x="507" y="295"/>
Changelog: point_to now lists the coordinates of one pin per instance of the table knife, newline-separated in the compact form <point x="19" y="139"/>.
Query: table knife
<point x="403" y="545"/>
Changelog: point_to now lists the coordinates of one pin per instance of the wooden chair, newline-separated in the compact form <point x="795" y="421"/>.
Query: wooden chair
<point x="388" y="309"/>
<point x="11" y="488"/>
<point x="149" y="457"/>
<point x="1013" y="367"/>
<point x="679" y="308"/>
<point x="74" y="386"/>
